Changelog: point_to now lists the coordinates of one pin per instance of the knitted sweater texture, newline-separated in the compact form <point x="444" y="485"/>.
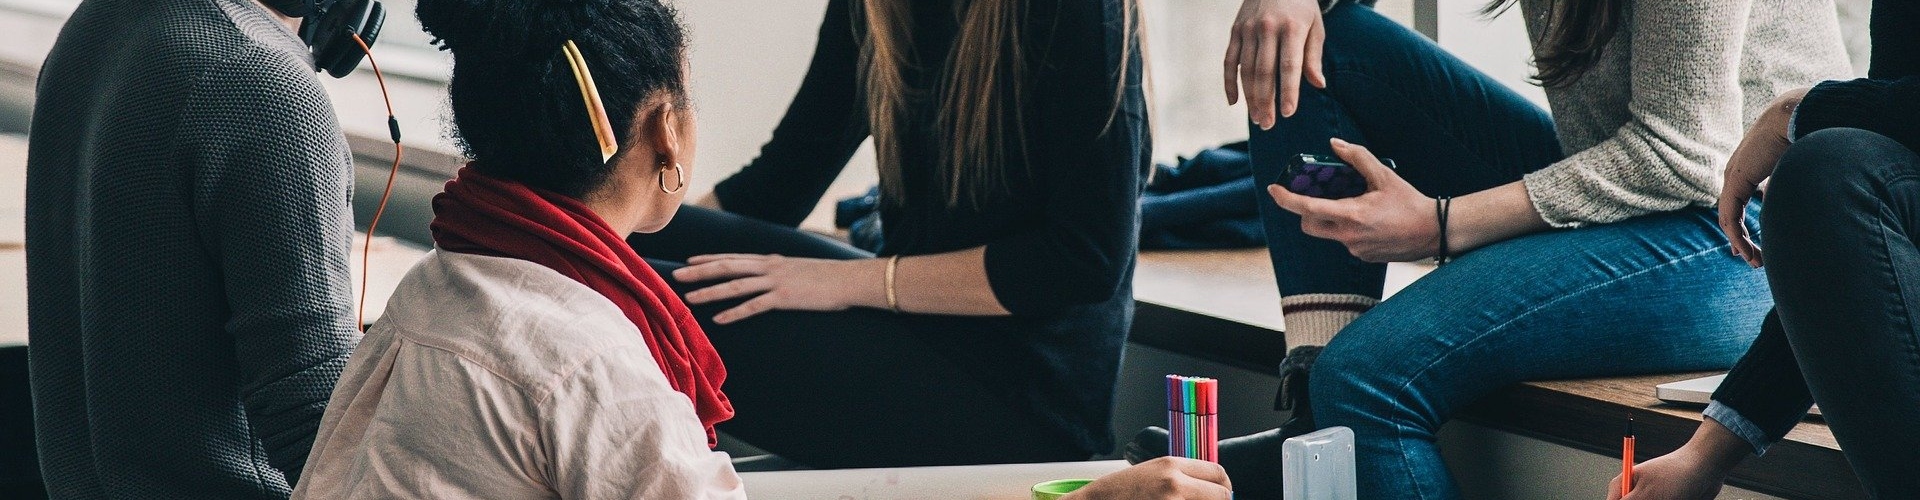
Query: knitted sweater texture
<point x="187" y="240"/>
<point x="1650" y="127"/>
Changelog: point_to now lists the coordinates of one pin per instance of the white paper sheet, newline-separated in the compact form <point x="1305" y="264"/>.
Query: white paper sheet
<point x="973" y="482"/>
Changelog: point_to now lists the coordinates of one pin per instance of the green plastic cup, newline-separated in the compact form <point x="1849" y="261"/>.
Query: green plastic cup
<point x="1053" y="490"/>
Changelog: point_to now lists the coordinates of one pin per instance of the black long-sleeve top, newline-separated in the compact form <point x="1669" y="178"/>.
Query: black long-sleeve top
<point x="1060" y="244"/>
<point x="1887" y="101"/>
<point x="187" y="239"/>
<point x="1766" y="391"/>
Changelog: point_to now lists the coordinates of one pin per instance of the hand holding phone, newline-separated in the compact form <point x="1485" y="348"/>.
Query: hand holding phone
<point x="1324" y="177"/>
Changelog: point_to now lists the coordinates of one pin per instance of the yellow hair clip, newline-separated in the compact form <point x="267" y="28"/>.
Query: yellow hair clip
<point x="597" y="111"/>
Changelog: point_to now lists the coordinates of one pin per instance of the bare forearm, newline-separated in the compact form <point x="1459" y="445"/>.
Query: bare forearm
<point x="1394" y="222"/>
<point x="947" y="283"/>
<point x="1491" y="216"/>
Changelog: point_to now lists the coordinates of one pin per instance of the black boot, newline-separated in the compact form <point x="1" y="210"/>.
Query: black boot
<point x="1293" y="395"/>
<point x="1252" y="461"/>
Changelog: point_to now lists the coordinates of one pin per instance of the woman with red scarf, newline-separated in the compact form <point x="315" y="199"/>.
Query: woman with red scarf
<point x="533" y="353"/>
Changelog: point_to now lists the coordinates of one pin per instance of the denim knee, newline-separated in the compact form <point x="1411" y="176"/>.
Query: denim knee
<point x="1348" y="383"/>
<point x="1831" y="164"/>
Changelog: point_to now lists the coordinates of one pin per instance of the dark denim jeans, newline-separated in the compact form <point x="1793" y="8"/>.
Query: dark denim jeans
<point x="1657" y="293"/>
<point x="1842" y="212"/>
<point x="1451" y="129"/>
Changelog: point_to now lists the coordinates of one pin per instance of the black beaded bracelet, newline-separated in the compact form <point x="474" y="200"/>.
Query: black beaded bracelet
<point x="1441" y="205"/>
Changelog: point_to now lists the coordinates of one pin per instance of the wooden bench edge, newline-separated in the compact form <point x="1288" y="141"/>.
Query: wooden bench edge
<point x="1790" y="469"/>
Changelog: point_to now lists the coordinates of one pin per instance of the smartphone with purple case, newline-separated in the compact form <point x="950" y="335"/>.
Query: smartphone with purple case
<point x="1324" y="177"/>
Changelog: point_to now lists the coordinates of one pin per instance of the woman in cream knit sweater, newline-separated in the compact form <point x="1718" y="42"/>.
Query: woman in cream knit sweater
<point x="1583" y="242"/>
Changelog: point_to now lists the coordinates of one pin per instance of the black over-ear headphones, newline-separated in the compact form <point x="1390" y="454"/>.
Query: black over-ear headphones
<point x="328" y="27"/>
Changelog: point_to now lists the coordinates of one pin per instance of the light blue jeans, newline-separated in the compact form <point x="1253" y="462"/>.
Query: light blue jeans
<point x="1658" y="293"/>
<point x="1647" y="295"/>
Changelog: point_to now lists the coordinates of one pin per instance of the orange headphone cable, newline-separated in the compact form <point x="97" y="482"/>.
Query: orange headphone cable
<point x="393" y="130"/>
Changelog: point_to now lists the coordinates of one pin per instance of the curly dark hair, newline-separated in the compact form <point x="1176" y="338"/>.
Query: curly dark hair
<point x="517" y="111"/>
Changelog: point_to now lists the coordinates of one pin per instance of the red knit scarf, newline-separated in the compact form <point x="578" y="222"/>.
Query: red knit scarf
<point x="487" y="216"/>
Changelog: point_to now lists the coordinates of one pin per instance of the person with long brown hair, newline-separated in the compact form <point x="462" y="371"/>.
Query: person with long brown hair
<point x="533" y="353"/>
<point x="1011" y="137"/>
<point x="1576" y="244"/>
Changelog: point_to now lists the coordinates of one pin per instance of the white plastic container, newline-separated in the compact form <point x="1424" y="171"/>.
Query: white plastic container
<point x="1319" y="466"/>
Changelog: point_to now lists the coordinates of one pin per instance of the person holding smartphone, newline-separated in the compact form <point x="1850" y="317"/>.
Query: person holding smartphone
<point x="1577" y="244"/>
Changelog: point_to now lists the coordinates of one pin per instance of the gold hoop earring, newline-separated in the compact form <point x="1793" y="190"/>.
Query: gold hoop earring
<point x="679" y="175"/>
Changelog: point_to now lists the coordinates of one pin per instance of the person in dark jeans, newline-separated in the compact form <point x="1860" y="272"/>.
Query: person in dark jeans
<point x="1581" y="242"/>
<point x="990" y="327"/>
<point x="1843" y="212"/>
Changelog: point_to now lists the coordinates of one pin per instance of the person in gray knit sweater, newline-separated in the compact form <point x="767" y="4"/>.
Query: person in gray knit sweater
<point x="187" y="239"/>
<point x="1582" y="241"/>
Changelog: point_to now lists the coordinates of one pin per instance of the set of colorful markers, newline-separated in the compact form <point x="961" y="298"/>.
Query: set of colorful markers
<point x="1193" y="404"/>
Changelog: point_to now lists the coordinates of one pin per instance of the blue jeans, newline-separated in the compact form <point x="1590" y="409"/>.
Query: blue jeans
<point x="1657" y="293"/>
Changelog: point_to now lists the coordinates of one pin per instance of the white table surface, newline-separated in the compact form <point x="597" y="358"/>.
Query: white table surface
<point x="973" y="482"/>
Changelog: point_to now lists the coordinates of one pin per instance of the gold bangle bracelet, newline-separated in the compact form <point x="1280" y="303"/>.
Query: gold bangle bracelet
<point x="893" y="299"/>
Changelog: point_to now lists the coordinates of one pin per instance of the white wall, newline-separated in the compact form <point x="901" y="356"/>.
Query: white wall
<point x="748" y="59"/>
<point x="1497" y="47"/>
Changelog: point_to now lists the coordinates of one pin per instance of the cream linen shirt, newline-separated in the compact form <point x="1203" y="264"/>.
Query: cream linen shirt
<point x="499" y="378"/>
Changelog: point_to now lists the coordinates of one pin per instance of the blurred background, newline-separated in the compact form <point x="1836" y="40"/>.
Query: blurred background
<point x="748" y="58"/>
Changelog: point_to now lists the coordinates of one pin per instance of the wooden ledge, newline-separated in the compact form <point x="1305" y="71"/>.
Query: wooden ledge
<point x="1202" y="336"/>
<point x="1589" y="415"/>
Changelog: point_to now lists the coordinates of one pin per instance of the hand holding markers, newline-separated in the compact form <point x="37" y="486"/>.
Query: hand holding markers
<point x="1191" y="472"/>
<point x="1161" y="479"/>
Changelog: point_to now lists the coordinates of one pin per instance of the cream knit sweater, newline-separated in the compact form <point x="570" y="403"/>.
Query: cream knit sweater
<point x="1650" y="127"/>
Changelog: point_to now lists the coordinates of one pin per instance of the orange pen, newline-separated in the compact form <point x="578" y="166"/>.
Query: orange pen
<point x="1626" y="459"/>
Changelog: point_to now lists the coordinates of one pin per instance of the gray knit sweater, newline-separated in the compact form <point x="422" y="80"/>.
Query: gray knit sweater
<point x="1650" y="127"/>
<point x="187" y="238"/>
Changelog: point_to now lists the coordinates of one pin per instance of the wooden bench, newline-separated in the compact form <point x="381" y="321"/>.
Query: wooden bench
<point x="1221" y="306"/>
<point x="1586" y="415"/>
